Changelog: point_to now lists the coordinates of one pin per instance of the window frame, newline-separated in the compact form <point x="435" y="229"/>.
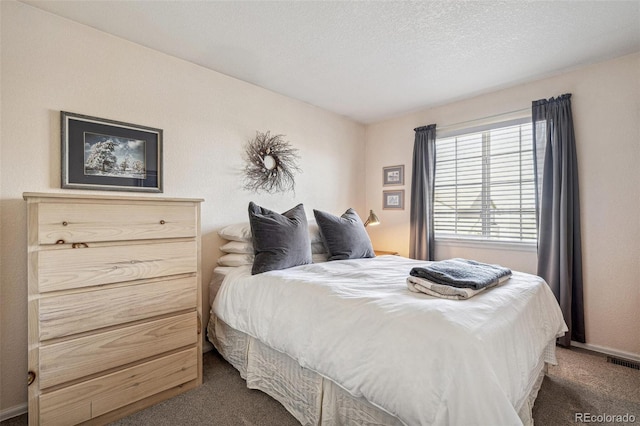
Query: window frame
<point x="484" y="240"/>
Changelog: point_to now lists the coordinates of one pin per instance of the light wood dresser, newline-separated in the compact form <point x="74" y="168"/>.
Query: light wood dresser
<point x="115" y="305"/>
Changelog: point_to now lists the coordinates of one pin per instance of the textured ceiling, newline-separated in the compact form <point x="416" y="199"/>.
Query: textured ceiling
<point x="372" y="60"/>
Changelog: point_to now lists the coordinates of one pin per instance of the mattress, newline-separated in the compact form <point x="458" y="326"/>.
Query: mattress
<point x="356" y="328"/>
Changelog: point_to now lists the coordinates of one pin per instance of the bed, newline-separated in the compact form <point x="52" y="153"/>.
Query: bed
<point x="345" y="342"/>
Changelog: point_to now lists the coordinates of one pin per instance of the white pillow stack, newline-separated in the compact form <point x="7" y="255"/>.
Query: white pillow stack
<point x="239" y="250"/>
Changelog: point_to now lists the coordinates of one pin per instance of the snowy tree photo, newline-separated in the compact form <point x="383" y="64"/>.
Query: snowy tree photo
<point x="114" y="156"/>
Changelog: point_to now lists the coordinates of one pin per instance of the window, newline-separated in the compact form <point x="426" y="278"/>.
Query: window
<point x="484" y="186"/>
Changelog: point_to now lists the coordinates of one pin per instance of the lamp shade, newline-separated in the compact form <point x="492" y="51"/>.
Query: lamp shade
<point x="372" y="219"/>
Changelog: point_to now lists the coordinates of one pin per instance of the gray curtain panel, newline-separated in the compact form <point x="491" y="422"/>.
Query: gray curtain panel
<point x="422" y="189"/>
<point x="558" y="208"/>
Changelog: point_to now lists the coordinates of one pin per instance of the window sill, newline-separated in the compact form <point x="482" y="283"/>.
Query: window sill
<point x="492" y="245"/>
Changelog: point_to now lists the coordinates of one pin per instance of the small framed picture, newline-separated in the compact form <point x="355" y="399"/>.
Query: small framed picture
<point x="110" y="155"/>
<point x="393" y="200"/>
<point x="393" y="175"/>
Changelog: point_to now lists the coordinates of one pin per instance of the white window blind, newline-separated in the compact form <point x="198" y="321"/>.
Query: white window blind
<point x="484" y="186"/>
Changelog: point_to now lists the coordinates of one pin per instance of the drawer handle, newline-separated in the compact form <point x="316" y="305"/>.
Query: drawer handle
<point x="65" y="223"/>
<point x="162" y="222"/>
<point x="60" y="242"/>
<point x="31" y="376"/>
<point x="79" y="245"/>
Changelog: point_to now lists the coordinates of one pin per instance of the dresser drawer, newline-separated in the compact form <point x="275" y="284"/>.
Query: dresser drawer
<point x="62" y="315"/>
<point x="72" y="359"/>
<point x="110" y="221"/>
<point x="84" y="267"/>
<point x="95" y="397"/>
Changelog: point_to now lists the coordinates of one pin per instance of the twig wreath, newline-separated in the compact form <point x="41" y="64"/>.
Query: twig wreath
<point x="271" y="164"/>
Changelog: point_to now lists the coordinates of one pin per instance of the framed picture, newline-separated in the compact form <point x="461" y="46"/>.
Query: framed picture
<point x="393" y="200"/>
<point x="393" y="175"/>
<point x="110" y="155"/>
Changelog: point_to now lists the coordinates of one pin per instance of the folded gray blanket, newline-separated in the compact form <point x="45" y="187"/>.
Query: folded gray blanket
<point x="462" y="273"/>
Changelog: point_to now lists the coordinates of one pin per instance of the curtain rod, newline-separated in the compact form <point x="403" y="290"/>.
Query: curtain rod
<point x="464" y="123"/>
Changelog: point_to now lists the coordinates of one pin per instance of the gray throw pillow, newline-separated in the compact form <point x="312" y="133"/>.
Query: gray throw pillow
<point x="280" y="241"/>
<point x="344" y="237"/>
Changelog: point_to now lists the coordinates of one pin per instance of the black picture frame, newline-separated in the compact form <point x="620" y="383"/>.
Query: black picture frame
<point x="393" y="175"/>
<point x="101" y="154"/>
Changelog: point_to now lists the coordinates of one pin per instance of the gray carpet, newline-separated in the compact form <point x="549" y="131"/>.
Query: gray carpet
<point x="583" y="382"/>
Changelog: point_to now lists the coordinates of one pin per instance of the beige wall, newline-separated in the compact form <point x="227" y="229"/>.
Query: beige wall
<point x="51" y="64"/>
<point x="606" y="114"/>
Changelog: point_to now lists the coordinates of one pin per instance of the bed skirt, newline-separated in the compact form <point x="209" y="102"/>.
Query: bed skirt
<point x="313" y="399"/>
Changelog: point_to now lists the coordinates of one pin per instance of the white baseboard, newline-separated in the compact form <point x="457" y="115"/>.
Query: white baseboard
<point x="607" y="351"/>
<point x="12" y="412"/>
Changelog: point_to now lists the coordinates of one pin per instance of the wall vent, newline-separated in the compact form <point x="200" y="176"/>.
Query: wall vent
<point x="624" y="362"/>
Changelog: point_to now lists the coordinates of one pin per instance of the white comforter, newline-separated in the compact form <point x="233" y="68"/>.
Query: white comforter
<point x="426" y="360"/>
